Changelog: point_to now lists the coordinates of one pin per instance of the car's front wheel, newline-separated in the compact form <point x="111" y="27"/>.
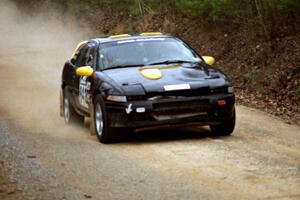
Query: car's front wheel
<point x="101" y="124"/>
<point x="225" y="128"/>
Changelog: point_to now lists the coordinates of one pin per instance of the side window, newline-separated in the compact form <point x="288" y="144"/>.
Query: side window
<point x="81" y="58"/>
<point x="76" y="54"/>
<point x="90" y="55"/>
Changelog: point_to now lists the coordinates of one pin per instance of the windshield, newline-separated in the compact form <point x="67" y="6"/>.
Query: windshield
<point x="141" y="52"/>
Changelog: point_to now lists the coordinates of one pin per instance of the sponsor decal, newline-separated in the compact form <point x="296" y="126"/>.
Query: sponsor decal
<point x="140" y="110"/>
<point x="152" y="73"/>
<point x="84" y="88"/>
<point x="128" y="109"/>
<point x="177" y="87"/>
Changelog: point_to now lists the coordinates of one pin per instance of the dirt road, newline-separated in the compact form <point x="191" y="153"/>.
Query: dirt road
<point x="48" y="160"/>
<point x="44" y="159"/>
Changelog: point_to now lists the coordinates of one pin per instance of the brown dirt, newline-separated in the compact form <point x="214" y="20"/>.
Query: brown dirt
<point x="8" y="189"/>
<point x="265" y="72"/>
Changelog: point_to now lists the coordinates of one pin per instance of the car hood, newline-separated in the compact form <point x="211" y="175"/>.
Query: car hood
<point x="196" y="76"/>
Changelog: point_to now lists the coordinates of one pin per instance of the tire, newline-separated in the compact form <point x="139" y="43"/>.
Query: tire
<point x="103" y="130"/>
<point x="225" y="128"/>
<point x="70" y="115"/>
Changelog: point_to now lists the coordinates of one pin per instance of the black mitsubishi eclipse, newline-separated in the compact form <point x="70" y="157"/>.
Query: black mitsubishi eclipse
<point x="141" y="81"/>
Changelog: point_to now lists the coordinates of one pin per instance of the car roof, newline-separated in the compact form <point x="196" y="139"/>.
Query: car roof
<point x="124" y="37"/>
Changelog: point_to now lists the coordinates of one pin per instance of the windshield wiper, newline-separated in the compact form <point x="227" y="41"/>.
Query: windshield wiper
<point x="172" y="62"/>
<point x="123" y="66"/>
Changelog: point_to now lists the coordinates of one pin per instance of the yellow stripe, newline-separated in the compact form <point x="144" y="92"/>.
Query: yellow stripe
<point x="119" y="36"/>
<point x="151" y="34"/>
<point x="162" y="67"/>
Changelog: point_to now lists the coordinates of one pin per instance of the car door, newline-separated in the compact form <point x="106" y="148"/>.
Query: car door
<point x="83" y="84"/>
<point x="70" y="74"/>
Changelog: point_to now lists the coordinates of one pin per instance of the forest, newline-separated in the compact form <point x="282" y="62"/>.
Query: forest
<point x="256" y="42"/>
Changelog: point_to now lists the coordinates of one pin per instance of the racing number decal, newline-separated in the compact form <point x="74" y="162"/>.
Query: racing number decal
<point x="84" y="89"/>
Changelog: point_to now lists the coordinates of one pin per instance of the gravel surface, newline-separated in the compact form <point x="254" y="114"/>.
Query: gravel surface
<point x="257" y="162"/>
<point x="46" y="159"/>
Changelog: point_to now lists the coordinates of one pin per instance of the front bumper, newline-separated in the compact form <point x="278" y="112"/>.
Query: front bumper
<point x="200" y="110"/>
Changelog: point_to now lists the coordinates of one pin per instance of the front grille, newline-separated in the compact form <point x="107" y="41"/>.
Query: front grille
<point x="136" y="98"/>
<point x="175" y="107"/>
<point x="219" y="90"/>
<point x="188" y="93"/>
<point x="180" y="93"/>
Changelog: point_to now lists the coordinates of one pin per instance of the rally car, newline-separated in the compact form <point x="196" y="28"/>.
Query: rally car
<point x="144" y="80"/>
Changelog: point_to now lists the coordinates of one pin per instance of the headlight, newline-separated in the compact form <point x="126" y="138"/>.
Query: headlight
<point x="117" y="98"/>
<point x="230" y="89"/>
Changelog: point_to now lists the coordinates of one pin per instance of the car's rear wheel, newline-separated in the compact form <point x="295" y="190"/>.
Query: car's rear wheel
<point x="70" y="114"/>
<point x="103" y="130"/>
<point x="225" y="128"/>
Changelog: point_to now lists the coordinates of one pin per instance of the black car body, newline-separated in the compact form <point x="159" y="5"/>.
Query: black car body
<point x="120" y="83"/>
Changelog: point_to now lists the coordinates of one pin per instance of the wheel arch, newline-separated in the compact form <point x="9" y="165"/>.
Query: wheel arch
<point x="95" y="93"/>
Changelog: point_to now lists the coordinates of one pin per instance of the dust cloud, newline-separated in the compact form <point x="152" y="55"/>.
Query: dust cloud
<point x="33" y="49"/>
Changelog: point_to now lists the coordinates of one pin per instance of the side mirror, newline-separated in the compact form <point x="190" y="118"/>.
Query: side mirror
<point x="84" y="71"/>
<point x="209" y="60"/>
